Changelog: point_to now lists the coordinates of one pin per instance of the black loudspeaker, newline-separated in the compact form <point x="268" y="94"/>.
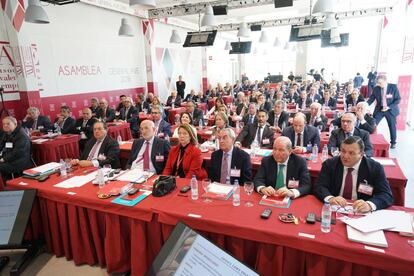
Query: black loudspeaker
<point x="220" y="10"/>
<point x="283" y="3"/>
<point x="255" y="28"/>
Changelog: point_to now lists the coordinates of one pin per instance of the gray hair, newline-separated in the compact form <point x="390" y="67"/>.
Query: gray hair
<point x="315" y="104"/>
<point x="280" y="102"/>
<point x="285" y="140"/>
<point x="230" y="132"/>
<point x="11" y="119"/>
<point x="33" y="109"/>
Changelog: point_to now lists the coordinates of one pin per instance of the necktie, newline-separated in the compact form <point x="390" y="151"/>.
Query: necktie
<point x="259" y="135"/>
<point x="277" y="120"/>
<point x="146" y="156"/>
<point x="347" y="193"/>
<point x="251" y="119"/>
<point x="298" y="140"/>
<point x="357" y="123"/>
<point x="84" y="123"/>
<point x="34" y="126"/>
<point x="93" y="150"/>
<point x="280" y="177"/>
<point x="224" y="168"/>
<point x="384" y="98"/>
<point x="348" y="134"/>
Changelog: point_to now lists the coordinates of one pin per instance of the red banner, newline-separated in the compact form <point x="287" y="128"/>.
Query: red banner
<point x="404" y="86"/>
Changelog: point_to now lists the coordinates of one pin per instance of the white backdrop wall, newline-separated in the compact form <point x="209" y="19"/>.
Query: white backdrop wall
<point x="219" y="62"/>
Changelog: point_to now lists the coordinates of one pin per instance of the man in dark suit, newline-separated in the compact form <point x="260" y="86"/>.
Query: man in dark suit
<point x="315" y="118"/>
<point x="149" y="152"/>
<point x="200" y="98"/>
<point x="105" y="113"/>
<point x="174" y="99"/>
<point x="129" y="114"/>
<point x="283" y="173"/>
<point x="162" y="128"/>
<point x="141" y="104"/>
<point x="259" y="132"/>
<point x="302" y="135"/>
<point x="84" y="127"/>
<point x="292" y="96"/>
<point x="196" y="114"/>
<point x="278" y="119"/>
<point x="352" y="176"/>
<point x="35" y="121"/>
<point x="229" y="162"/>
<point x="251" y="116"/>
<point x="180" y="87"/>
<point x="388" y="98"/>
<point x="347" y="129"/>
<point x="94" y="106"/>
<point x="354" y="98"/>
<point x="372" y="78"/>
<point x="191" y="97"/>
<point x="262" y="104"/>
<point x="364" y="120"/>
<point x="303" y="101"/>
<point x="313" y="94"/>
<point x="64" y="122"/>
<point x="100" y="149"/>
<point x="327" y="101"/>
<point x="121" y="102"/>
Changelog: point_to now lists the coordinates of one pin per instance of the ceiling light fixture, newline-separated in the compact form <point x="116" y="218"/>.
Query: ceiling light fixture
<point x="35" y="13"/>
<point x="243" y="30"/>
<point x="125" y="29"/>
<point x="175" y="37"/>
<point x="324" y="6"/>
<point x="208" y="17"/>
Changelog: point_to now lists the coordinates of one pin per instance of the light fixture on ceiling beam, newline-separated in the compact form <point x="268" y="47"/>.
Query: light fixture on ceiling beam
<point x="324" y="6"/>
<point x="143" y="4"/>
<point x="228" y="46"/>
<point x="208" y="17"/>
<point x="35" y="13"/>
<point x="125" y="29"/>
<point x="263" y="37"/>
<point x="243" y="30"/>
<point x="277" y="43"/>
<point x="335" y="36"/>
<point x="175" y="37"/>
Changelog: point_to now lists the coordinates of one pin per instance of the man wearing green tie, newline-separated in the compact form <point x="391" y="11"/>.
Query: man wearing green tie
<point x="283" y="173"/>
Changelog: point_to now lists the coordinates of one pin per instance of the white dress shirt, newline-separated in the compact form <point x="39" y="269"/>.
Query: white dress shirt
<point x="139" y="161"/>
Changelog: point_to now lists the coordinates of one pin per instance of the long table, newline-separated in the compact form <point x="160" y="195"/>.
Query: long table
<point x="78" y="225"/>
<point x="54" y="149"/>
<point x="119" y="129"/>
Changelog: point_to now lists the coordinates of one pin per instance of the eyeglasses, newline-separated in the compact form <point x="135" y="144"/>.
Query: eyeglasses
<point x="346" y="121"/>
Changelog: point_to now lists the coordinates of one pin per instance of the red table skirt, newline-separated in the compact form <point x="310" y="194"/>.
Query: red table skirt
<point x="122" y="129"/>
<point x="56" y="149"/>
<point x="120" y="243"/>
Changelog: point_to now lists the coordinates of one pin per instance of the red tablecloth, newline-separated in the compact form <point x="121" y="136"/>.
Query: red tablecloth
<point x="93" y="231"/>
<point x="172" y="112"/>
<point x="142" y="116"/>
<point x="60" y="147"/>
<point x="380" y="145"/>
<point x="122" y="129"/>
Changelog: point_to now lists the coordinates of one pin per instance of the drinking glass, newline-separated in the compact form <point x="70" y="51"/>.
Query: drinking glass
<point x="248" y="189"/>
<point x="205" y="183"/>
<point x="335" y="151"/>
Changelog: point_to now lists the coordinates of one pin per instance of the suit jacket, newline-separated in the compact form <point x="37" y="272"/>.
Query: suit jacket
<point x="331" y="103"/>
<point x="192" y="162"/>
<point x="338" y="135"/>
<point x="297" y="169"/>
<point x="131" y="113"/>
<point x="197" y="116"/>
<point x="94" y="111"/>
<point x="190" y="97"/>
<point x="248" y="135"/>
<point x="308" y="102"/>
<point x="68" y="125"/>
<point x="159" y="147"/>
<point x="180" y="88"/>
<point x="265" y="106"/>
<point x="177" y="101"/>
<point x="202" y="99"/>
<point x="393" y="99"/>
<point x="320" y="122"/>
<point x="241" y="107"/>
<point x="292" y="98"/>
<point x="310" y="135"/>
<point x="141" y="106"/>
<point x="43" y="123"/>
<point x="370" y="124"/>
<point x="164" y="127"/>
<point x="239" y="160"/>
<point x="315" y="98"/>
<point x="246" y="121"/>
<point x="283" y="119"/>
<point x="17" y="157"/>
<point x="88" y="129"/>
<point x="110" y="114"/>
<point x="350" y="101"/>
<point x="330" y="178"/>
<point x="109" y="148"/>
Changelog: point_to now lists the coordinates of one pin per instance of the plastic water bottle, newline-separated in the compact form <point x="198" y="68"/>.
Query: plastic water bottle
<point x="326" y="218"/>
<point x="228" y="180"/>
<point x="315" y="153"/>
<point x="297" y="107"/>
<point x="201" y="123"/>
<point x="324" y="153"/>
<point x="119" y="139"/>
<point x="236" y="193"/>
<point x="172" y="105"/>
<point x="100" y="178"/>
<point x="62" y="168"/>
<point x="194" y="188"/>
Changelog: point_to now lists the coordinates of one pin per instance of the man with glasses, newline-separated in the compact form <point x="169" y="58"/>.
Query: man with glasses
<point x="229" y="162"/>
<point x="348" y="129"/>
<point x="364" y="121"/>
<point x="283" y="173"/>
<point x="278" y="118"/>
<point x="259" y="132"/>
<point x="64" y="121"/>
<point x="162" y="127"/>
<point x="196" y="114"/>
<point x="105" y="113"/>
<point x="353" y="177"/>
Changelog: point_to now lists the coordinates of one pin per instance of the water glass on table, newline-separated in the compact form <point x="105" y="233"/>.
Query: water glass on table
<point x="248" y="189"/>
<point x="205" y="183"/>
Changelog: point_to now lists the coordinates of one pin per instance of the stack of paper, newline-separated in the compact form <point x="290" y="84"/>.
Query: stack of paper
<point x="376" y="238"/>
<point x="76" y="181"/>
<point x="276" y="201"/>
<point x="134" y="175"/>
<point x="218" y="191"/>
<point x="44" y="169"/>
<point x="39" y="141"/>
<point x="384" y="162"/>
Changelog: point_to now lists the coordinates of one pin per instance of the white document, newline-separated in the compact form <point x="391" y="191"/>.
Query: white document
<point x="378" y="220"/>
<point x="260" y="152"/>
<point x="384" y="162"/>
<point x="217" y="188"/>
<point x="134" y="175"/>
<point x="46" y="167"/>
<point x="39" y="141"/>
<point x="402" y="221"/>
<point x="76" y="181"/>
<point x="376" y="238"/>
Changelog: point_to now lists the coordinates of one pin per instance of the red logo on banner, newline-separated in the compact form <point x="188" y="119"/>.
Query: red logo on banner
<point x="385" y="22"/>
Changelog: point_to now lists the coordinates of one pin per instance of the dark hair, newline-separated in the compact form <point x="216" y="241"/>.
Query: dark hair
<point x="100" y="122"/>
<point x="189" y="115"/>
<point x="263" y="111"/>
<point x="355" y="139"/>
<point x="65" y="107"/>
<point x="122" y="96"/>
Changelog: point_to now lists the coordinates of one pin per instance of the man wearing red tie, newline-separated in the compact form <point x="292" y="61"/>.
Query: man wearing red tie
<point x="388" y="98"/>
<point x="353" y="177"/>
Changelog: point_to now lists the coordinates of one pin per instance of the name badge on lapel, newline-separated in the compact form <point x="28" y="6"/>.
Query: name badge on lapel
<point x="83" y="136"/>
<point x="389" y="96"/>
<point x="235" y="172"/>
<point x="159" y="158"/>
<point x="40" y="127"/>
<point x="266" y="142"/>
<point x="365" y="188"/>
<point x="9" y="145"/>
<point x="292" y="184"/>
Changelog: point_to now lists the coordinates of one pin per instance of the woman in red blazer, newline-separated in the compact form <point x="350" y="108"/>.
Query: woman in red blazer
<point x="185" y="158"/>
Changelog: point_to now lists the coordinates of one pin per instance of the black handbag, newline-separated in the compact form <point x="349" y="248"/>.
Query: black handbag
<point x="163" y="185"/>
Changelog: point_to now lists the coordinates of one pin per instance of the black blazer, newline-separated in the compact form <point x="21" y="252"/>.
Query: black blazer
<point x="292" y="98"/>
<point x="297" y="169"/>
<point x="248" y="134"/>
<point x="88" y="129"/>
<point x="17" y="155"/>
<point x="330" y="178"/>
<point x="197" y="116"/>
<point x="42" y="121"/>
<point x="331" y="103"/>
<point x="241" y="107"/>
<point x="177" y="101"/>
<point x="320" y="122"/>
<point x="393" y="99"/>
<point x="265" y="106"/>
<point x="180" y="88"/>
<point x="165" y="128"/>
<point x="201" y="99"/>
<point x="131" y="113"/>
<point x="308" y="102"/>
<point x="350" y="101"/>
<point x="338" y="135"/>
<point x="239" y="160"/>
<point x="110" y="114"/>
<point x="310" y="135"/>
<point x="370" y="124"/>
<point x="246" y="120"/>
<point x="109" y="148"/>
<point x="283" y="119"/>
<point x="159" y="147"/>
<point x="141" y="106"/>
<point x="68" y="125"/>
<point x="190" y="97"/>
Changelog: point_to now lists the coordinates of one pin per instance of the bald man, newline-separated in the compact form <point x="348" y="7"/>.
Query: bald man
<point x="302" y="135"/>
<point x="283" y="173"/>
<point x="149" y="152"/>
